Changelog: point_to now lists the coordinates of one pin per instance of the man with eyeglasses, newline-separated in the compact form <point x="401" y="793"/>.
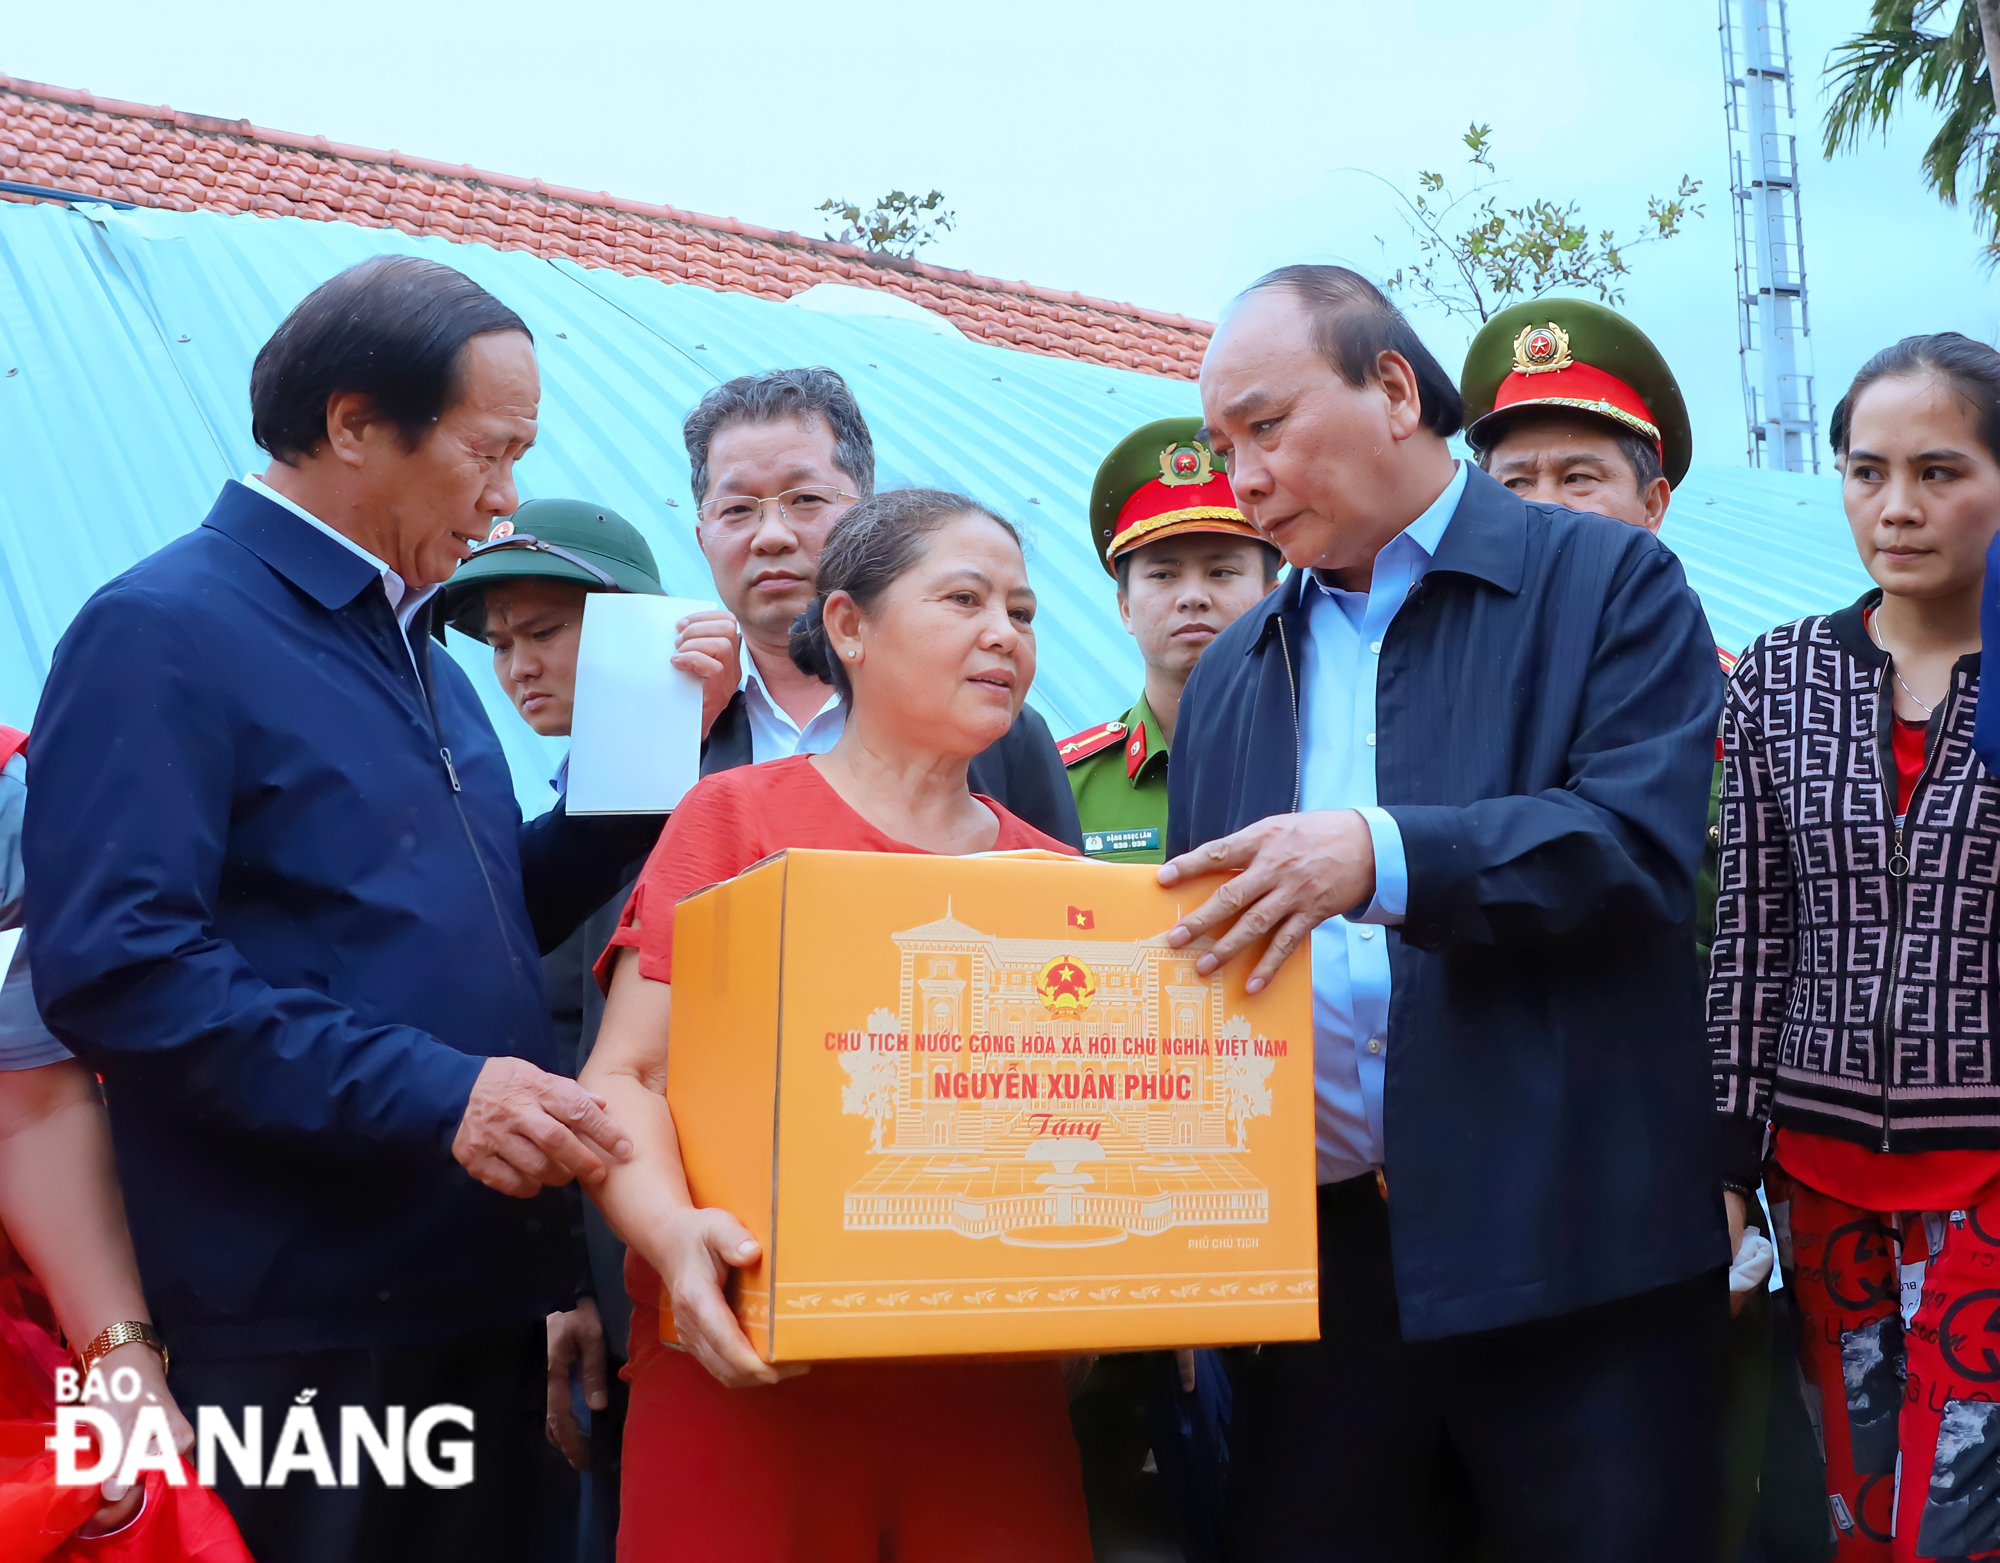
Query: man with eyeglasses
<point x="777" y="458"/>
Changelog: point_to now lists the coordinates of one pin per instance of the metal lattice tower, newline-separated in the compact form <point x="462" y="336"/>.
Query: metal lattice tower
<point x="1771" y="321"/>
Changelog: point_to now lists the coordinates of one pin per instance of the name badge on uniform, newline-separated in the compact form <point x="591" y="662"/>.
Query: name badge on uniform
<point x="1099" y="843"/>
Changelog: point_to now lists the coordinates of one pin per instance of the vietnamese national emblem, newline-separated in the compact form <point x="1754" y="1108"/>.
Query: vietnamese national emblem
<point x="504" y="527"/>
<point x="1181" y="465"/>
<point x="1542" y="349"/>
<point x="1065" y="985"/>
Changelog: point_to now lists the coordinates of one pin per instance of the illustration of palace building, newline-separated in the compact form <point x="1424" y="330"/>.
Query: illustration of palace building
<point x="1127" y="1110"/>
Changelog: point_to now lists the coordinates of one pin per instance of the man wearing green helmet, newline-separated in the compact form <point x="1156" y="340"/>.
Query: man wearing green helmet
<point x="523" y="592"/>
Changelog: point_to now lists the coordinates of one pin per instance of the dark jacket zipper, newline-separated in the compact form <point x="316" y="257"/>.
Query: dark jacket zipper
<point x="1298" y="740"/>
<point x="458" y="803"/>
<point x="1899" y="864"/>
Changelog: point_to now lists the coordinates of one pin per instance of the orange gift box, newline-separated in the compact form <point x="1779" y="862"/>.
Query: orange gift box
<point x="979" y="1105"/>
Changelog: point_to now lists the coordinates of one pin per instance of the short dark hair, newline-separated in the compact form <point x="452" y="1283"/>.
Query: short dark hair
<point x="1273" y="559"/>
<point x="1640" y="453"/>
<point x="776" y="394"/>
<point x="867" y="551"/>
<point x="1353" y="324"/>
<point x="392" y="328"/>
<point x="1972" y="369"/>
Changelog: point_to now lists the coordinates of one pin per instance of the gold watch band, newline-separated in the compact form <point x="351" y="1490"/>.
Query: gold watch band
<point x="112" y="1336"/>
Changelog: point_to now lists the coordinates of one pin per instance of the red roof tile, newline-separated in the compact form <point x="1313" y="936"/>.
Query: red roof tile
<point x="157" y="156"/>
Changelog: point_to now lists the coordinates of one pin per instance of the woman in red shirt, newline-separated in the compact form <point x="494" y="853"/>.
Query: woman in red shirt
<point x="924" y="624"/>
<point x="1853" y="991"/>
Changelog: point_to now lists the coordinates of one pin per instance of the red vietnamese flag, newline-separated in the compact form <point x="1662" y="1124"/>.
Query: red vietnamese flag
<point x="1079" y="918"/>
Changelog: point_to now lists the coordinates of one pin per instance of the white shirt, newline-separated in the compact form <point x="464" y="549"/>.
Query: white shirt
<point x="1350" y="955"/>
<point x="773" y="734"/>
<point x="403" y="602"/>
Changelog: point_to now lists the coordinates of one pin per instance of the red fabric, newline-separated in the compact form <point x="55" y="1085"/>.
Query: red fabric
<point x="1888" y="1180"/>
<point x="12" y="742"/>
<point x="741" y="816"/>
<point x="38" y="1519"/>
<point x="1579" y="382"/>
<point x="1901" y="1340"/>
<point x="1907" y="740"/>
<point x="959" y="1462"/>
<point x="1156" y="498"/>
<point x="830" y="1466"/>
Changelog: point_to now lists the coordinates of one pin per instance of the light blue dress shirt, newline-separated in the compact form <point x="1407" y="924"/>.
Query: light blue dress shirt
<point x="1350" y="955"/>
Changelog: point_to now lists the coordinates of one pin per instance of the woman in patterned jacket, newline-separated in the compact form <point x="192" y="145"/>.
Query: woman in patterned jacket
<point x="1854" y="989"/>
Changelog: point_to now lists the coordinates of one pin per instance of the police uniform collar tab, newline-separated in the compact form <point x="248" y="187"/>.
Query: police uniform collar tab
<point x="1079" y="747"/>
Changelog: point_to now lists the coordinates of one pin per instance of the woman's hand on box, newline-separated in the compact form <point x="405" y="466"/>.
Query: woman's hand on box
<point x="700" y="1248"/>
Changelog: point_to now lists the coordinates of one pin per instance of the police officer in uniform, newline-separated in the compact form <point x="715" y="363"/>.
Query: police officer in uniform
<point x="1164" y="521"/>
<point x="1569" y="403"/>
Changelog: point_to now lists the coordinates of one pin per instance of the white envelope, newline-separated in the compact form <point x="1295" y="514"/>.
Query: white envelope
<point x="635" y="733"/>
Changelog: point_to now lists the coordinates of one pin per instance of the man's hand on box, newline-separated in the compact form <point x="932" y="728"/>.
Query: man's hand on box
<point x="1292" y="872"/>
<point x="710" y="646"/>
<point x="699" y="1249"/>
<point x="525" y="1128"/>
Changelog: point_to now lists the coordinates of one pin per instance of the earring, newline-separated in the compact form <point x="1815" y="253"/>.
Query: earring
<point x="850" y="653"/>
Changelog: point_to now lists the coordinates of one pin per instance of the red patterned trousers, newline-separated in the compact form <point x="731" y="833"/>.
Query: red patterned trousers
<point x="1900" y="1348"/>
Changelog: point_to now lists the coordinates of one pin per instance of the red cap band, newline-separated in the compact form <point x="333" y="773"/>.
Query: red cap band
<point x="1584" y="387"/>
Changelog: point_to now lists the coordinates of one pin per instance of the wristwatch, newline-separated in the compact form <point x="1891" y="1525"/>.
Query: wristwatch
<point x="112" y="1336"/>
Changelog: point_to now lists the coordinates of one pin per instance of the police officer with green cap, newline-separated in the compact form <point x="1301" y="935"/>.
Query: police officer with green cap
<point x="1569" y="403"/>
<point x="1164" y="522"/>
<point x="522" y="591"/>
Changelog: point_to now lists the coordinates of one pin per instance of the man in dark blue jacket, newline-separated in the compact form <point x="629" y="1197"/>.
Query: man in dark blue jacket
<point x="1461" y="758"/>
<point x="282" y="902"/>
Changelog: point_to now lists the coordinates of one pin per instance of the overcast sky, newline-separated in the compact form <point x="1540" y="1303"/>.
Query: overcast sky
<point x="1155" y="152"/>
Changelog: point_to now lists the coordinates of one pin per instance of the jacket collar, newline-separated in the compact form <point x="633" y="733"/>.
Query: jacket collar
<point x="1488" y="534"/>
<point x="313" y="562"/>
<point x="1487" y="537"/>
<point x="1850" y="633"/>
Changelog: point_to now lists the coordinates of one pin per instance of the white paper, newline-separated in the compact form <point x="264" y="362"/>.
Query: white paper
<point x="635" y="733"/>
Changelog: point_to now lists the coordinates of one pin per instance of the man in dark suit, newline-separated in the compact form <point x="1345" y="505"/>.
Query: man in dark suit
<point x="776" y="459"/>
<point x="282" y="899"/>
<point x="1460" y="758"/>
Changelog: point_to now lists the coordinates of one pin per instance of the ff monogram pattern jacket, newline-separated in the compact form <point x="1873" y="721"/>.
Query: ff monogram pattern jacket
<point x="1852" y="978"/>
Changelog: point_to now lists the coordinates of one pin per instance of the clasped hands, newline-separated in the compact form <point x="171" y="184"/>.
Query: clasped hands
<point x="1291" y="873"/>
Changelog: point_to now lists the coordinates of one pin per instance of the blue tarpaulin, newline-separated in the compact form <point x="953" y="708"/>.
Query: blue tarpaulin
<point x="126" y="339"/>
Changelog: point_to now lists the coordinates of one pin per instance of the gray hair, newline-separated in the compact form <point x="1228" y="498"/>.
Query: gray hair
<point x="776" y="394"/>
<point x="867" y="551"/>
